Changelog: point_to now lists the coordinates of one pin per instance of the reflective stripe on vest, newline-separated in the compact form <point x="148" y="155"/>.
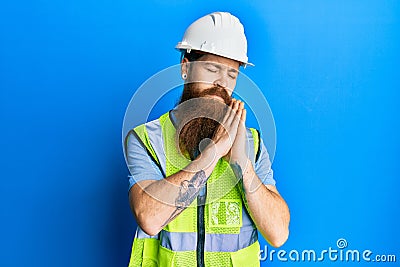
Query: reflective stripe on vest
<point x="214" y="242"/>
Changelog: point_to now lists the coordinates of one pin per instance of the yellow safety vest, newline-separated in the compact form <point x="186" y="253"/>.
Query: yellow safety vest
<point x="227" y="241"/>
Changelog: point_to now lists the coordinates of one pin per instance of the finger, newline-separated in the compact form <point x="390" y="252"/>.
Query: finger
<point x="236" y="118"/>
<point x="222" y="128"/>
<point x="233" y="112"/>
<point x="241" y="105"/>
<point x="227" y="114"/>
<point x="243" y="117"/>
<point x="232" y="122"/>
<point x="235" y="104"/>
<point x="229" y="111"/>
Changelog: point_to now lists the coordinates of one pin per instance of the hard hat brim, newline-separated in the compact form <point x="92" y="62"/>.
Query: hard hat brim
<point x="187" y="48"/>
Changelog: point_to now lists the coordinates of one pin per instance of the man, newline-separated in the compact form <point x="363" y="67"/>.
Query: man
<point x="201" y="182"/>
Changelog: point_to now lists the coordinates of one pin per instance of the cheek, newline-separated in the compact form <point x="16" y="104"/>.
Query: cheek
<point x="232" y="84"/>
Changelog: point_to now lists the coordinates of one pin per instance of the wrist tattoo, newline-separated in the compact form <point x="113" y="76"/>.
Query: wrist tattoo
<point x="188" y="191"/>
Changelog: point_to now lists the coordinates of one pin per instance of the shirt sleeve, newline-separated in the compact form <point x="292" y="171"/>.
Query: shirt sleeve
<point x="263" y="166"/>
<point x="141" y="165"/>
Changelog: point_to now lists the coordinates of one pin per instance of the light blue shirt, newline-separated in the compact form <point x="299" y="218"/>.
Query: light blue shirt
<point x="142" y="166"/>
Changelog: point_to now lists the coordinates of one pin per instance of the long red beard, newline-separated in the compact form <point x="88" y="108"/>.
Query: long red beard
<point x="209" y="113"/>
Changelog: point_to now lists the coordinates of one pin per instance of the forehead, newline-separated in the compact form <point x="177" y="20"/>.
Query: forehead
<point x="230" y="63"/>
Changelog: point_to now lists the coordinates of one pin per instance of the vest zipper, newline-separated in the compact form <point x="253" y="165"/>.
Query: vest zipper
<point x="201" y="200"/>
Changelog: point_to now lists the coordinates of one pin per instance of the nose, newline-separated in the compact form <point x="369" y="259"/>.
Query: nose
<point x="222" y="81"/>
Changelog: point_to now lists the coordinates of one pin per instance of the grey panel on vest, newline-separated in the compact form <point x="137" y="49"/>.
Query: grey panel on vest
<point x="178" y="241"/>
<point x="230" y="242"/>
<point x="154" y="132"/>
<point x="213" y="242"/>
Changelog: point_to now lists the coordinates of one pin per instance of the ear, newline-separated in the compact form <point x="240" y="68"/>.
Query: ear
<point x="184" y="66"/>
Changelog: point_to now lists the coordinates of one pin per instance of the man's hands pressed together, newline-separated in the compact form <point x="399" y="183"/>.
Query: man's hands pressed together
<point x="226" y="133"/>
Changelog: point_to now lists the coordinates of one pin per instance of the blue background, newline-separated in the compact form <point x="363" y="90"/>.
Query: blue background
<point x="330" y="72"/>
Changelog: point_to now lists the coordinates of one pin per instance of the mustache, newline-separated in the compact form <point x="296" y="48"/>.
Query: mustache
<point x="217" y="91"/>
<point x="190" y="92"/>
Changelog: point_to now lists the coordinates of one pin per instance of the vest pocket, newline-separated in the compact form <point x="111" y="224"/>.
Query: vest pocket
<point x="144" y="252"/>
<point x="165" y="257"/>
<point x="248" y="257"/>
<point x="150" y="252"/>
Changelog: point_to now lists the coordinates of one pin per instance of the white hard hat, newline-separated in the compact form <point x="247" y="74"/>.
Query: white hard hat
<point x="218" y="33"/>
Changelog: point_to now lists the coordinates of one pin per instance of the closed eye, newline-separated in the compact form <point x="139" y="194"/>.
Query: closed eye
<point x="212" y="70"/>
<point x="212" y="67"/>
<point x="233" y="74"/>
